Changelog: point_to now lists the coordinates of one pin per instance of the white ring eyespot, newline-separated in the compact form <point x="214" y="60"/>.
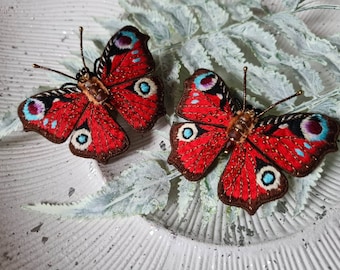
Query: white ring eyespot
<point x="205" y="81"/>
<point x="81" y="139"/>
<point x="187" y="132"/>
<point x="145" y="87"/>
<point x="34" y="109"/>
<point x="268" y="177"/>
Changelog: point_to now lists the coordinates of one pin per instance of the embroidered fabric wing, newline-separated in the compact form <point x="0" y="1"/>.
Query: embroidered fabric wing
<point x="140" y="102"/>
<point x="125" y="57"/>
<point x="97" y="135"/>
<point x="195" y="147"/>
<point x="250" y="179"/>
<point x="124" y="68"/>
<point x="206" y="99"/>
<point x="53" y="113"/>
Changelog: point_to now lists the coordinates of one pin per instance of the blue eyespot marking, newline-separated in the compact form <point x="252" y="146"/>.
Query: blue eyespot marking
<point x="299" y="152"/>
<point x="268" y="178"/>
<point x="307" y="145"/>
<point x="45" y="122"/>
<point x="195" y="94"/>
<point x="315" y="128"/>
<point x="194" y="101"/>
<point x="136" y="60"/>
<point x="135" y="52"/>
<point x="205" y="81"/>
<point x="145" y="88"/>
<point x="82" y="138"/>
<point x="126" y="40"/>
<point x="54" y="124"/>
<point x="34" y="109"/>
<point x="130" y="35"/>
<point x="187" y="133"/>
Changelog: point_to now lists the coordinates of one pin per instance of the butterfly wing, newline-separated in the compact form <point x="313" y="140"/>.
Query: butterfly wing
<point x="194" y="147"/>
<point x="250" y="180"/>
<point x="53" y="113"/>
<point x="125" y="57"/>
<point x="296" y="142"/>
<point x="207" y="102"/>
<point x="206" y="99"/>
<point x="97" y="135"/>
<point x="140" y="102"/>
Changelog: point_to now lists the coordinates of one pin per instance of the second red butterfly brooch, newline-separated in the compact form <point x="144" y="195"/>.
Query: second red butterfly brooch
<point x="261" y="147"/>
<point x="120" y="82"/>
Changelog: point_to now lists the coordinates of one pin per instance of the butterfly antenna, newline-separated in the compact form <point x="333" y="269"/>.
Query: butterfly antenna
<point x="81" y="46"/>
<point x="245" y="69"/>
<point x="298" y="93"/>
<point x="53" y="70"/>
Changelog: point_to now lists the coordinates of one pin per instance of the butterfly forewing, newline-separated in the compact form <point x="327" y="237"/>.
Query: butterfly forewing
<point x="206" y="99"/>
<point x="125" y="57"/>
<point x="53" y="113"/>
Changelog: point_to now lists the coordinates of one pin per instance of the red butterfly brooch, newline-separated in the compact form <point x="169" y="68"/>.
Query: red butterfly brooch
<point x="121" y="82"/>
<point x="261" y="147"/>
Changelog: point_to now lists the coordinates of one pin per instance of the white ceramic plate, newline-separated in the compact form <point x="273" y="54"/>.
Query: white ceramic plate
<point x="33" y="169"/>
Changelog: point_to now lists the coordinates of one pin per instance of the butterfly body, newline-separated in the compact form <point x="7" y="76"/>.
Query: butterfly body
<point x="92" y="87"/>
<point x="121" y="82"/>
<point x="261" y="147"/>
<point x="241" y="125"/>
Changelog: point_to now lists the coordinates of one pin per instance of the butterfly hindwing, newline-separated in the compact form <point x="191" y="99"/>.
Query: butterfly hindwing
<point x="97" y="135"/>
<point x="125" y="57"/>
<point x="194" y="147"/>
<point x="206" y="99"/>
<point x="53" y="113"/>
<point x="296" y="142"/>
<point x="250" y="179"/>
<point x="140" y="102"/>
